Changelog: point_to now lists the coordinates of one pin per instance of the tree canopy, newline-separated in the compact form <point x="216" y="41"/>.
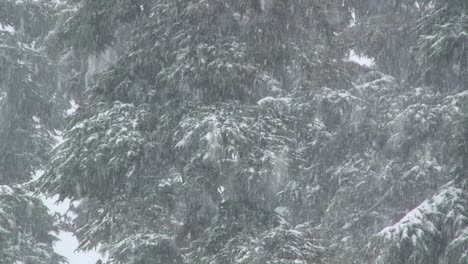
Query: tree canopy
<point x="243" y="131"/>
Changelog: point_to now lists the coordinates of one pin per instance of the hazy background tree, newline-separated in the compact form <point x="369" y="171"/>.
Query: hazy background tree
<point x="28" y="116"/>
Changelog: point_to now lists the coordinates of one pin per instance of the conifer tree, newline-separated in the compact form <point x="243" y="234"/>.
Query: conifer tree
<point x="26" y="118"/>
<point x="239" y="131"/>
<point x="169" y="125"/>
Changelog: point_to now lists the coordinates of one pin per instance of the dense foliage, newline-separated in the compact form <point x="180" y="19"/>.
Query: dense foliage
<point x="26" y="229"/>
<point x="28" y="115"/>
<point x="240" y="131"/>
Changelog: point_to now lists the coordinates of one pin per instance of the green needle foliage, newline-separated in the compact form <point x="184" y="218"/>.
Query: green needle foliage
<point x="241" y="131"/>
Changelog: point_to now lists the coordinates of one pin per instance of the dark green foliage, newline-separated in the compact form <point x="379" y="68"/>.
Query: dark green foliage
<point x="463" y="146"/>
<point x="92" y="28"/>
<point x="422" y="42"/>
<point x="238" y="131"/>
<point x="442" y="44"/>
<point x="28" y="115"/>
<point x="30" y="19"/>
<point x="109" y="142"/>
<point x="230" y="240"/>
<point x="25" y="106"/>
<point x="26" y="229"/>
<point x="434" y="232"/>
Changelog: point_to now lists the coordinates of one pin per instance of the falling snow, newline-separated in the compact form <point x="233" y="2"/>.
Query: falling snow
<point x="234" y="131"/>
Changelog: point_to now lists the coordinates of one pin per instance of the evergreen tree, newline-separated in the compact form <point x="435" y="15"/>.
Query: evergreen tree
<point x="238" y="131"/>
<point x="160" y="129"/>
<point x="26" y="228"/>
<point x="434" y="232"/>
<point x="442" y="42"/>
<point x="26" y="118"/>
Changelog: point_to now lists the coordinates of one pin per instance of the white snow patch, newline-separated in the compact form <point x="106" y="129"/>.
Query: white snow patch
<point x="236" y="16"/>
<point x="7" y="28"/>
<point x="6" y="190"/>
<point x="272" y="101"/>
<point x="417" y="216"/>
<point x="281" y="210"/>
<point x="361" y="59"/>
<point x="73" y="107"/>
